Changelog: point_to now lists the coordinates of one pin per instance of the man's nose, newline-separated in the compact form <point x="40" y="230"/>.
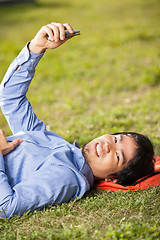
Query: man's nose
<point x="108" y="147"/>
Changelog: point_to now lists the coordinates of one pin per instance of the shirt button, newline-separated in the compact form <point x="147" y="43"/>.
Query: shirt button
<point x="72" y="149"/>
<point x="32" y="60"/>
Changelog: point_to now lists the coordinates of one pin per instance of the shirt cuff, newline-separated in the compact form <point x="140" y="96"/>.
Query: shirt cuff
<point x="33" y="58"/>
<point x="2" y="168"/>
<point x="25" y="57"/>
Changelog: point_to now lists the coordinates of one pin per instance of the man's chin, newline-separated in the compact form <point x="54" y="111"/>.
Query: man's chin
<point x="85" y="153"/>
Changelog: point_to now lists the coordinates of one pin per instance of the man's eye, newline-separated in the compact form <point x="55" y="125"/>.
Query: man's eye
<point x="117" y="155"/>
<point x="115" y="139"/>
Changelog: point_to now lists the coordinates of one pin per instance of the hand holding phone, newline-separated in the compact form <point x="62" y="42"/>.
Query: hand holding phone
<point x="51" y="36"/>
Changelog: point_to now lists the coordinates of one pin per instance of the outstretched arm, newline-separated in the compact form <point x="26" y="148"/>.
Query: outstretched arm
<point x="14" y="103"/>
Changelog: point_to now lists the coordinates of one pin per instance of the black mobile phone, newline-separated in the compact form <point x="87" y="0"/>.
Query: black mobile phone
<point x="68" y="34"/>
<point x="75" y="33"/>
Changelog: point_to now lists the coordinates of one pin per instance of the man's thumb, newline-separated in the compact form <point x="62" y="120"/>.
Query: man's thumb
<point x="16" y="142"/>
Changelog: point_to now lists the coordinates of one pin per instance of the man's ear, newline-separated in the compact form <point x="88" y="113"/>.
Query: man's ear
<point x="111" y="179"/>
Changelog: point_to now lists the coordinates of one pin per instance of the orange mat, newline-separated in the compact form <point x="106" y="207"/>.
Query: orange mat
<point x="144" y="183"/>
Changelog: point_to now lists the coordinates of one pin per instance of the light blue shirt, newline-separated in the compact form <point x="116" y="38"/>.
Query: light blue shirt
<point x="44" y="169"/>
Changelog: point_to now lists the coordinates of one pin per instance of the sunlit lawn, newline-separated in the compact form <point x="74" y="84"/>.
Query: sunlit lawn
<point x="104" y="81"/>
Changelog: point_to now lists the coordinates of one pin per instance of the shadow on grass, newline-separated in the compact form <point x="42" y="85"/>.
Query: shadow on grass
<point x="8" y="12"/>
<point x="152" y="79"/>
<point x="52" y="4"/>
<point x="141" y="37"/>
<point x="33" y="3"/>
<point x="156" y="80"/>
<point x="145" y="37"/>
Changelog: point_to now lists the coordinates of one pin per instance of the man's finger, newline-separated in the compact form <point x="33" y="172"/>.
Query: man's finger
<point x="68" y="27"/>
<point x="55" y="30"/>
<point x="2" y="133"/>
<point x="15" y="143"/>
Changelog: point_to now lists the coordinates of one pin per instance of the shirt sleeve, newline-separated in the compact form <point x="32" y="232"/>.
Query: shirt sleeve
<point x="13" y="101"/>
<point x="38" y="191"/>
<point x="5" y="189"/>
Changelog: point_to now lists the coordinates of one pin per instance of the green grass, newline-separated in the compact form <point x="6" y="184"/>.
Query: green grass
<point x="100" y="215"/>
<point x="107" y="80"/>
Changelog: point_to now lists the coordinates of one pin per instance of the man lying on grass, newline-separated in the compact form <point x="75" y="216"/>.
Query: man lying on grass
<point x="39" y="168"/>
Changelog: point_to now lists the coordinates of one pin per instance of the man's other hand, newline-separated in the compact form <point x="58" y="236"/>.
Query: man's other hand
<point x="6" y="147"/>
<point x="50" y="36"/>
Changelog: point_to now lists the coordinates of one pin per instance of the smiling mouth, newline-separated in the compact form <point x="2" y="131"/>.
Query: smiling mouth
<point x="98" y="149"/>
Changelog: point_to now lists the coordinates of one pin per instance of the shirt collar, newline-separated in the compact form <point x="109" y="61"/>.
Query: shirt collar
<point x="86" y="170"/>
<point x="76" y="144"/>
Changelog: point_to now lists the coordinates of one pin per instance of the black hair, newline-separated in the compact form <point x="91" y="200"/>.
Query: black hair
<point x="141" y="165"/>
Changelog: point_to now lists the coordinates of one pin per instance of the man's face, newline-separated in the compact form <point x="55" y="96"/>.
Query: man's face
<point x="108" y="154"/>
